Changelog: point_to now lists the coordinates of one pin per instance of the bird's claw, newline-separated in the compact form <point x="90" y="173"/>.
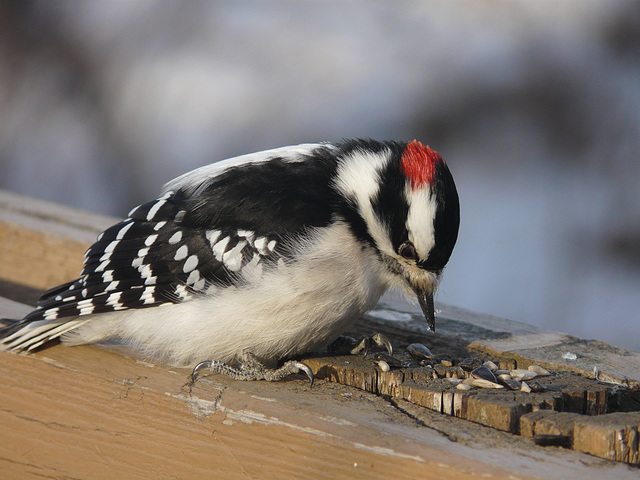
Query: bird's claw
<point x="304" y="368"/>
<point x="365" y="344"/>
<point x="198" y="367"/>
<point x="252" y="369"/>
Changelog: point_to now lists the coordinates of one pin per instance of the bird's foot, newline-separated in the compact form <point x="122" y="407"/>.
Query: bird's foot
<point x="251" y="369"/>
<point x="348" y="345"/>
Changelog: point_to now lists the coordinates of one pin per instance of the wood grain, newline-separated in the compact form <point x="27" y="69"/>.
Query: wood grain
<point x="89" y="412"/>
<point x="85" y="412"/>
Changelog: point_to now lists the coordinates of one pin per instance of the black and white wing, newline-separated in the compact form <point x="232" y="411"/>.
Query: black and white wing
<point x="197" y="238"/>
<point x="152" y="258"/>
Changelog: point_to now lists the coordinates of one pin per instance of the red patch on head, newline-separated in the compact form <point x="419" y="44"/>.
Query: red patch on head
<point x="419" y="163"/>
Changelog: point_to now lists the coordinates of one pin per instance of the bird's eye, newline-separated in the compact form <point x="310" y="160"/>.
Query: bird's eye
<point x="408" y="251"/>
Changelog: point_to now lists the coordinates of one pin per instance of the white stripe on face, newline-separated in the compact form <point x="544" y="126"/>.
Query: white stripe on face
<point x="422" y="212"/>
<point x="358" y="177"/>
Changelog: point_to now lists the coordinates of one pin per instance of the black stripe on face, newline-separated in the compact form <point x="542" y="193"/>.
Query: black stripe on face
<point x="385" y="201"/>
<point x="390" y="204"/>
<point x="447" y="219"/>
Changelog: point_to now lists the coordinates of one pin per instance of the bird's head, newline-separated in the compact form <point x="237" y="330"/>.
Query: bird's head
<point x="404" y="203"/>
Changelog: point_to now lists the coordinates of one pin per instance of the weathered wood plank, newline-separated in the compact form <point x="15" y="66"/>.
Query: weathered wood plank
<point x="43" y="243"/>
<point x="579" y="399"/>
<point x="460" y="330"/>
<point x="93" y="414"/>
<point x="11" y="309"/>
<point x="613" y="436"/>
<point x="88" y="412"/>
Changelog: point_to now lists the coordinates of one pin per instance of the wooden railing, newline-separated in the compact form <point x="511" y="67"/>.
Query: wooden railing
<point x="91" y="412"/>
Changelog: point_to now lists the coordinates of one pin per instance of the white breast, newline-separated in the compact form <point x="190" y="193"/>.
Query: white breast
<point x="297" y="308"/>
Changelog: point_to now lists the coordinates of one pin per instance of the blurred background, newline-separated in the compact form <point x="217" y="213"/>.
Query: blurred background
<point x="534" y="105"/>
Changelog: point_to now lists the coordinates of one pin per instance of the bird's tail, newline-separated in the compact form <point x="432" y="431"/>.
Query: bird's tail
<point x="8" y="326"/>
<point x="24" y="335"/>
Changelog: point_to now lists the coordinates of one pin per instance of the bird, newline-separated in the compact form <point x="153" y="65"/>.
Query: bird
<point x="249" y="262"/>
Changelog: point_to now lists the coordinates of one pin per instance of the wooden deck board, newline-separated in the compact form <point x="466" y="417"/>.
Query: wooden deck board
<point x="90" y="412"/>
<point x="86" y="412"/>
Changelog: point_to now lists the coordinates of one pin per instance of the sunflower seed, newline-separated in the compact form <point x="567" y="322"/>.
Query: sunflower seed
<point x="479" y="382"/>
<point x="542" y="372"/>
<point x="484" y="373"/>
<point x="419" y="351"/>
<point x="384" y="366"/>
<point x="469" y="364"/>
<point x="523" y="374"/>
<point x="490" y="365"/>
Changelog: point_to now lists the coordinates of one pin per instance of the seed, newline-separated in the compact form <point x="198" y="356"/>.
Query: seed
<point x="523" y="374"/>
<point x="536" y="387"/>
<point x="479" y="382"/>
<point x="542" y="372"/>
<point x="384" y="366"/>
<point x="512" y="384"/>
<point x="419" y="351"/>
<point x="392" y="362"/>
<point x="490" y="365"/>
<point x="469" y="364"/>
<point x="484" y="373"/>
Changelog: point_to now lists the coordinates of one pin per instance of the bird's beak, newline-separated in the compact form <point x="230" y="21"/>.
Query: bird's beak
<point x="426" y="304"/>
